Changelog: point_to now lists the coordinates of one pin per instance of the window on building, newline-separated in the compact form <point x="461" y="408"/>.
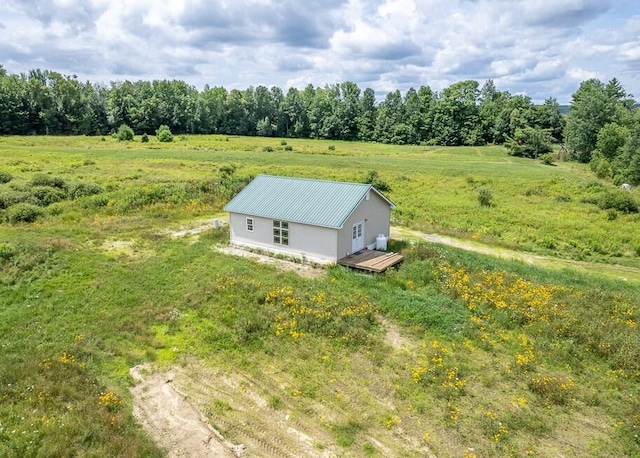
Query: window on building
<point x="281" y="232"/>
<point x="250" y="224"/>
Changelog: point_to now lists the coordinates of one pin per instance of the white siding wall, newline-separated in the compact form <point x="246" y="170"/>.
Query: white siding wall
<point x="317" y="244"/>
<point x="375" y="213"/>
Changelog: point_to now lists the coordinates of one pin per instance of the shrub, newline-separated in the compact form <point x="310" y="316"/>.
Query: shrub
<point x="602" y="167"/>
<point x="563" y="198"/>
<point x="164" y="134"/>
<point x="55" y="209"/>
<point x="96" y="202"/>
<point x="9" y="198"/>
<point x="537" y="191"/>
<point x="548" y="159"/>
<point x="283" y="142"/>
<point x="144" y="138"/>
<point x="267" y="149"/>
<point x="529" y="142"/>
<point x="46" y="180"/>
<point x="593" y="200"/>
<point x="618" y="200"/>
<point x="84" y="189"/>
<point x="125" y="133"/>
<point x="288" y="148"/>
<point x="6" y="251"/>
<point x="23" y="213"/>
<point x="373" y="178"/>
<point x="5" y="177"/>
<point x="485" y="197"/>
<point x="47" y="195"/>
<point x="332" y="148"/>
<point x="227" y="170"/>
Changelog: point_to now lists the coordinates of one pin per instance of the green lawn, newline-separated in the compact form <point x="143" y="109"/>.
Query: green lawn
<point x="500" y="358"/>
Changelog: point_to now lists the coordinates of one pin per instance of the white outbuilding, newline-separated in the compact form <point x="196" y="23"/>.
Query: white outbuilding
<point x="317" y="220"/>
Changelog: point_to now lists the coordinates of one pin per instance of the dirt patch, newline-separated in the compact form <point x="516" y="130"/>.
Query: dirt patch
<point x="127" y="248"/>
<point x="117" y="247"/>
<point x="233" y="402"/>
<point x="304" y="270"/>
<point x="393" y="337"/>
<point x="171" y="419"/>
<point x="192" y="231"/>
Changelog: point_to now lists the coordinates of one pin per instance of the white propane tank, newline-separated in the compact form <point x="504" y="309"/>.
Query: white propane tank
<point x="381" y="242"/>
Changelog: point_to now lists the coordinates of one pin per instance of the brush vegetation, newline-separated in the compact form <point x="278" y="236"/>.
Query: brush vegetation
<point x="497" y="358"/>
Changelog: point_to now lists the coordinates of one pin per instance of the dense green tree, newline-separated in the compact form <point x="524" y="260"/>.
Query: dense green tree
<point x="491" y="104"/>
<point x="213" y="110"/>
<point x="277" y="118"/>
<point x="120" y="102"/>
<point x="366" y="119"/>
<point x="427" y="103"/>
<point x="457" y="118"/>
<point x="264" y="128"/>
<point x="348" y="110"/>
<point x="13" y="119"/>
<point x="39" y="102"/>
<point x="413" y="122"/>
<point x="611" y="139"/>
<point x="389" y="114"/>
<point x="592" y="106"/>
<point x="529" y="142"/>
<point x="548" y="116"/>
<point x="627" y="164"/>
<point x="176" y="104"/>
<point x="94" y="115"/>
<point x="237" y="121"/>
<point x="292" y="111"/>
<point x="263" y="105"/>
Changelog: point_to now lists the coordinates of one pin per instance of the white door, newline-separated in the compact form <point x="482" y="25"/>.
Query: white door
<point x="357" y="237"/>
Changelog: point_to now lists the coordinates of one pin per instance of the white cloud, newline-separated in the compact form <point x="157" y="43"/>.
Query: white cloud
<point x="579" y="74"/>
<point x="540" y="47"/>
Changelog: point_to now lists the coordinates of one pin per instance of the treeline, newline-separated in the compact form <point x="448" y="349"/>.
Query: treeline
<point x="48" y="103"/>
<point x="603" y="126"/>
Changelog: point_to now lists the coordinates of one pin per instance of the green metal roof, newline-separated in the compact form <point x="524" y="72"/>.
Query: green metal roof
<point x="301" y="200"/>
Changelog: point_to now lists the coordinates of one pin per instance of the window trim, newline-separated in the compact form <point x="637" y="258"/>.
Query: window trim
<point x="249" y="224"/>
<point x="280" y="232"/>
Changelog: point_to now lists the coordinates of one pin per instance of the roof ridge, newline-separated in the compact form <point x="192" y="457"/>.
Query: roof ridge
<point x="312" y="179"/>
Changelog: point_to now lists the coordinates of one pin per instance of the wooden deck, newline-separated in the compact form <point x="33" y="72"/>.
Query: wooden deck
<point x="371" y="260"/>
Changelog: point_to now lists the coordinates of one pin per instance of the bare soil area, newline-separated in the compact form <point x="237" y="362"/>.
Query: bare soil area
<point x="304" y="270"/>
<point x="168" y="415"/>
<point x="194" y="229"/>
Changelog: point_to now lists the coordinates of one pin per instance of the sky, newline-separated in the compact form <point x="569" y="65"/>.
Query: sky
<point x="541" y="48"/>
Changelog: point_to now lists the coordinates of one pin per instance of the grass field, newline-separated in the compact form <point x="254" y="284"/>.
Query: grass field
<point x="496" y="357"/>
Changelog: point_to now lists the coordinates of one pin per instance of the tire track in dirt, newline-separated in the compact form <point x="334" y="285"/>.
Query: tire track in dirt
<point x="233" y="404"/>
<point x="173" y="422"/>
